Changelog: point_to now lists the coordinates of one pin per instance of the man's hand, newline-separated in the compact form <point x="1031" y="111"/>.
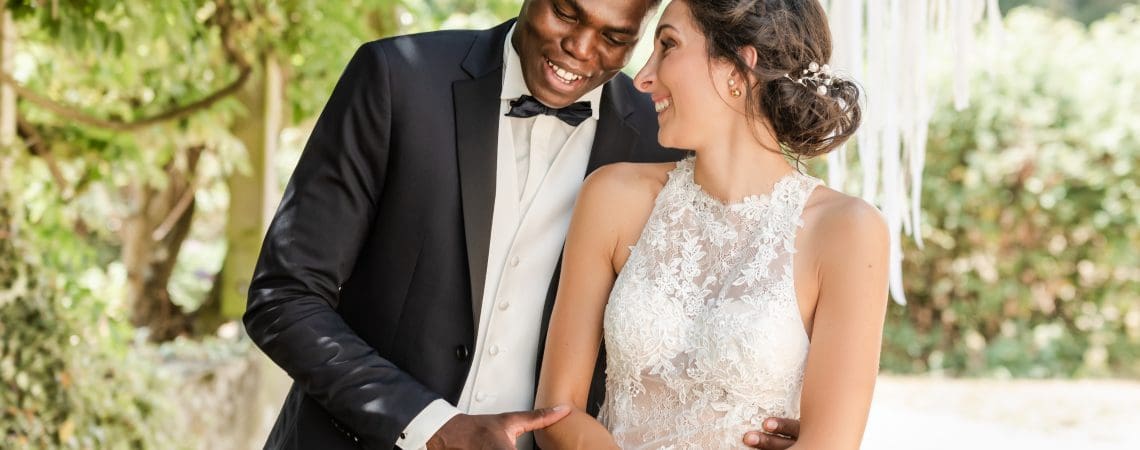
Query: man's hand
<point x="493" y="431"/>
<point x="778" y="434"/>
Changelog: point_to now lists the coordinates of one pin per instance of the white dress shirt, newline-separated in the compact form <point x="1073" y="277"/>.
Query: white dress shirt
<point x="541" y="158"/>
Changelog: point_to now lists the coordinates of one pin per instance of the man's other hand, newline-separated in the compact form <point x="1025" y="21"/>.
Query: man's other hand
<point x="778" y="434"/>
<point x="493" y="431"/>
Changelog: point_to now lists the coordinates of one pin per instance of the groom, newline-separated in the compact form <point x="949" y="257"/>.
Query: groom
<point x="406" y="281"/>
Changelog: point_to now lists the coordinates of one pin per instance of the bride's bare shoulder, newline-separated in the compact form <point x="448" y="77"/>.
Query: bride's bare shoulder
<point x="834" y="221"/>
<point x="617" y="199"/>
<point x="625" y="185"/>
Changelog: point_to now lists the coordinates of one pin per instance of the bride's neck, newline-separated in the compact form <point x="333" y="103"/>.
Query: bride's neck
<point x="738" y="163"/>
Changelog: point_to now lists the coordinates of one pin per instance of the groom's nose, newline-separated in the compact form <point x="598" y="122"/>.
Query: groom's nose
<point x="578" y="44"/>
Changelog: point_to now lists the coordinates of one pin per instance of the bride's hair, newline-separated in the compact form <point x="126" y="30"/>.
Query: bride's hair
<point x="810" y="112"/>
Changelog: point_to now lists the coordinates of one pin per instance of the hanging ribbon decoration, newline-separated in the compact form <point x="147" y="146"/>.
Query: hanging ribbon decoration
<point x="882" y="44"/>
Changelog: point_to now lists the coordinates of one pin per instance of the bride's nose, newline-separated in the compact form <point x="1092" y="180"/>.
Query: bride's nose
<point x="646" y="78"/>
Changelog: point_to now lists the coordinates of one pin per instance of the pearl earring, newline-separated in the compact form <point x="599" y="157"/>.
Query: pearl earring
<point x="732" y="88"/>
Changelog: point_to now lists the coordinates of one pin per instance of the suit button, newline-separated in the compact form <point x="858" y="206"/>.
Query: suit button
<point x="462" y="352"/>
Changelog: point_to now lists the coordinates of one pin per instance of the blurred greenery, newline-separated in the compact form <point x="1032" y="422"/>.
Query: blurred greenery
<point x="1029" y="267"/>
<point x="1084" y="11"/>
<point x="67" y="380"/>
<point x="1032" y="211"/>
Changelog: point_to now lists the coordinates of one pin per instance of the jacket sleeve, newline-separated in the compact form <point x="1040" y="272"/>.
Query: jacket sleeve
<point x="310" y="250"/>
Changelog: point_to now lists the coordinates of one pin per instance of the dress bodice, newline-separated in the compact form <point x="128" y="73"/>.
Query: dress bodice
<point x="703" y="332"/>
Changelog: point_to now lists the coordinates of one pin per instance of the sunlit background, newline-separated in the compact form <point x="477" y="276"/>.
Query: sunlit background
<point x="146" y="144"/>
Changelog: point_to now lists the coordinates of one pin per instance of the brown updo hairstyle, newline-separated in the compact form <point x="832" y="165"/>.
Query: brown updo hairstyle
<point x="788" y="36"/>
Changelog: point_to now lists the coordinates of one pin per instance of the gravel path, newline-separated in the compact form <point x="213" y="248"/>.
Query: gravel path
<point x="923" y="413"/>
<point x="937" y="414"/>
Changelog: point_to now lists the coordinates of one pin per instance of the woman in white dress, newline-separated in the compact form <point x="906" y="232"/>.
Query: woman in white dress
<point x="729" y="287"/>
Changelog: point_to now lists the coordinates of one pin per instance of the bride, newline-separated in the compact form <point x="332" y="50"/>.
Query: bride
<point x="729" y="287"/>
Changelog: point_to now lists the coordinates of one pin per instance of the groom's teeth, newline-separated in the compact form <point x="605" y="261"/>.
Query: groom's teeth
<point x="565" y="75"/>
<point x="662" y="104"/>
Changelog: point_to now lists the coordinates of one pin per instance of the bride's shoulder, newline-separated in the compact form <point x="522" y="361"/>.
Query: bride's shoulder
<point x="835" y="220"/>
<point x="626" y="183"/>
<point x="619" y="198"/>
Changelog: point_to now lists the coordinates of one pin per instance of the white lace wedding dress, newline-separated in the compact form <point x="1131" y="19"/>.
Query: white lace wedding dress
<point x="703" y="334"/>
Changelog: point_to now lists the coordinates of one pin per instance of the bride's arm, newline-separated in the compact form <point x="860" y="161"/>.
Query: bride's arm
<point x="847" y="330"/>
<point x="575" y="331"/>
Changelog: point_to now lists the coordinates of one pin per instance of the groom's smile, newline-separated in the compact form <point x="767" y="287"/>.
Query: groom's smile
<point x="570" y="47"/>
<point x="569" y="78"/>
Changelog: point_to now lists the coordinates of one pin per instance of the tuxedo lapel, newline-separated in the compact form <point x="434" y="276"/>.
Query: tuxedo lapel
<point x="476" y="103"/>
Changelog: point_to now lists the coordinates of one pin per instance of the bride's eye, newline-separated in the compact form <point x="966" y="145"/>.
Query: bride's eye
<point x="667" y="43"/>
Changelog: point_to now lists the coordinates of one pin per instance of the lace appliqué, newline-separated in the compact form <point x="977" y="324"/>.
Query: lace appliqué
<point x="703" y="332"/>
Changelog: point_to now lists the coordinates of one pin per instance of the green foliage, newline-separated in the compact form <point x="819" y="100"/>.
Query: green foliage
<point x="1031" y="212"/>
<point x="1085" y="11"/>
<point x="314" y="38"/>
<point x="121" y="59"/>
<point x="66" y="379"/>
<point x="430" y="15"/>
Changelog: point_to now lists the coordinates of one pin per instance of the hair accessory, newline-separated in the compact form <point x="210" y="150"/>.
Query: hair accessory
<point x="820" y="77"/>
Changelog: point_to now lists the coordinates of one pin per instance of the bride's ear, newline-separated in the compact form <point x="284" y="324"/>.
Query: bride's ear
<point x="748" y="54"/>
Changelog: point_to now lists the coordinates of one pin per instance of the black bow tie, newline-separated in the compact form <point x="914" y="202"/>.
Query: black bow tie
<point x="527" y="106"/>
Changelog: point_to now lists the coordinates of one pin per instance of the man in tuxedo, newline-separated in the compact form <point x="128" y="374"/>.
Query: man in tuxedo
<point x="406" y="281"/>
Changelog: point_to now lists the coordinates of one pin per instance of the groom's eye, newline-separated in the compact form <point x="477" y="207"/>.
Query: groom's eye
<point x="563" y="15"/>
<point x="618" y="42"/>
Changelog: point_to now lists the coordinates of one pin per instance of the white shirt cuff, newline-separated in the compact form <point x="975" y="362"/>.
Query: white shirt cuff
<point x="426" y="424"/>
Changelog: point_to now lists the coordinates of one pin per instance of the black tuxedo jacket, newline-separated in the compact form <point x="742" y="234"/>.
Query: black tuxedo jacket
<point x="368" y="284"/>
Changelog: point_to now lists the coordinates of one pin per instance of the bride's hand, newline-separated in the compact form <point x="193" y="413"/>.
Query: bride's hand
<point x="493" y="431"/>
<point x="778" y="434"/>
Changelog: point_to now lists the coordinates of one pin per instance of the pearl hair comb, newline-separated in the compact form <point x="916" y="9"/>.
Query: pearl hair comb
<point x="820" y="77"/>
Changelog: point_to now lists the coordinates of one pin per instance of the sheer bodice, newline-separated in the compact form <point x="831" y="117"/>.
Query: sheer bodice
<point x="703" y="332"/>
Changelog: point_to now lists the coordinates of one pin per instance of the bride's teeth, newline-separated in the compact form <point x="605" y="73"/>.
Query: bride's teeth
<point x="662" y="105"/>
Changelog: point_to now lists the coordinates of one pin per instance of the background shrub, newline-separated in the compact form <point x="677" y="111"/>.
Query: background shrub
<point x="1031" y="204"/>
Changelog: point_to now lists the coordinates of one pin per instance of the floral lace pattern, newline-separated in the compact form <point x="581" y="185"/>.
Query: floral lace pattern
<point x="703" y="333"/>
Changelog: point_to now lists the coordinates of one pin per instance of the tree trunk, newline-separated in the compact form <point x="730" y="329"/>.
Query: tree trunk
<point x="7" y="94"/>
<point x="152" y="238"/>
<point x="253" y="193"/>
